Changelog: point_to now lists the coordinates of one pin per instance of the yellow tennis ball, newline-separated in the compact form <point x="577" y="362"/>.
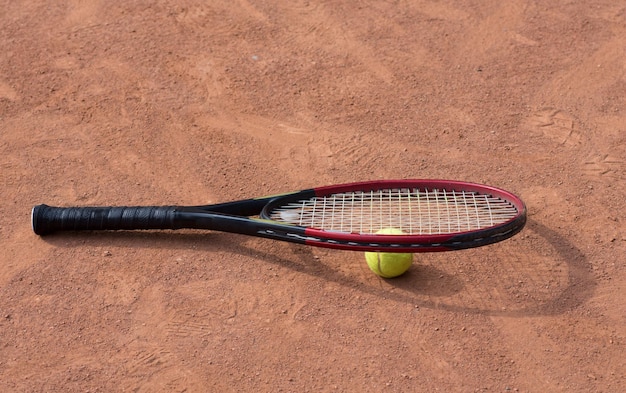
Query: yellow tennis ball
<point x="389" y="264"/>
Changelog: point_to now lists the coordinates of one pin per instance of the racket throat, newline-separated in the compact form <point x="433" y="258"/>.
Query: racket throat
<point x="241" y="225"/>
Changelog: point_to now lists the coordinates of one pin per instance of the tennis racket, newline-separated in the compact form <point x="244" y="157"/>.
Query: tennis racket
<point x="434" y="215"/>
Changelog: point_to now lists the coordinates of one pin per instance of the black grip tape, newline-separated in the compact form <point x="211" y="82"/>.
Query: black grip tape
<point x="47" y="219"/>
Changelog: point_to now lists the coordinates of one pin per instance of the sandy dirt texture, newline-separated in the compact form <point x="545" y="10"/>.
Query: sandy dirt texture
<point x="194" y="102"/>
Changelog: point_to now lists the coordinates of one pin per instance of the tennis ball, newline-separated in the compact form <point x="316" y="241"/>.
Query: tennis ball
<point x="389" y="264"/>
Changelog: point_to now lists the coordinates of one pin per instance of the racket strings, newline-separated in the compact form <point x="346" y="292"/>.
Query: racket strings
<point x="414" y="211"/>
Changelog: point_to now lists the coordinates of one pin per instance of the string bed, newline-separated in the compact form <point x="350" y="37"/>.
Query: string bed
<point x="414" y="211"/>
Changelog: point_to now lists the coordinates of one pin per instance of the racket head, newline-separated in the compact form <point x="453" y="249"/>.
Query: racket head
<point x="434" y="215"/>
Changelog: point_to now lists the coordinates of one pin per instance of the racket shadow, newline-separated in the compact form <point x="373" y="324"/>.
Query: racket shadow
<point x="570" y="284"/>
<point x="424" y="285"/>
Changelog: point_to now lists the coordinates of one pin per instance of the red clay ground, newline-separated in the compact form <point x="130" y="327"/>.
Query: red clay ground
<point x="194" y="102"/>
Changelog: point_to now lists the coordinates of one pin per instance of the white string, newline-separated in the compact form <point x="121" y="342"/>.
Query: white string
<point x="428" y="215"/>
<point x="476" y="209"/>
<point x="489" y="209"/>
<point x="380" y="206"/>
<point x="448" y="219"/>
<point x="467" y="213"/>
<point x="419" y="211"/>
<point x="362" y="210"/>
<point x="457" y="211"/>
<point x="410" y="211"/>
<point x="400" y="221"/>
<point x="323" y="213"/>
<point x="372" y="212"/>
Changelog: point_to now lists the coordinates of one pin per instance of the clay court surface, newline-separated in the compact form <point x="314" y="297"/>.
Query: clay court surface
<point x="196" y="102"/>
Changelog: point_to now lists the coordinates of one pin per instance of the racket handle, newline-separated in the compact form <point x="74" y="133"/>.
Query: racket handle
<point x="47" y="219"/>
